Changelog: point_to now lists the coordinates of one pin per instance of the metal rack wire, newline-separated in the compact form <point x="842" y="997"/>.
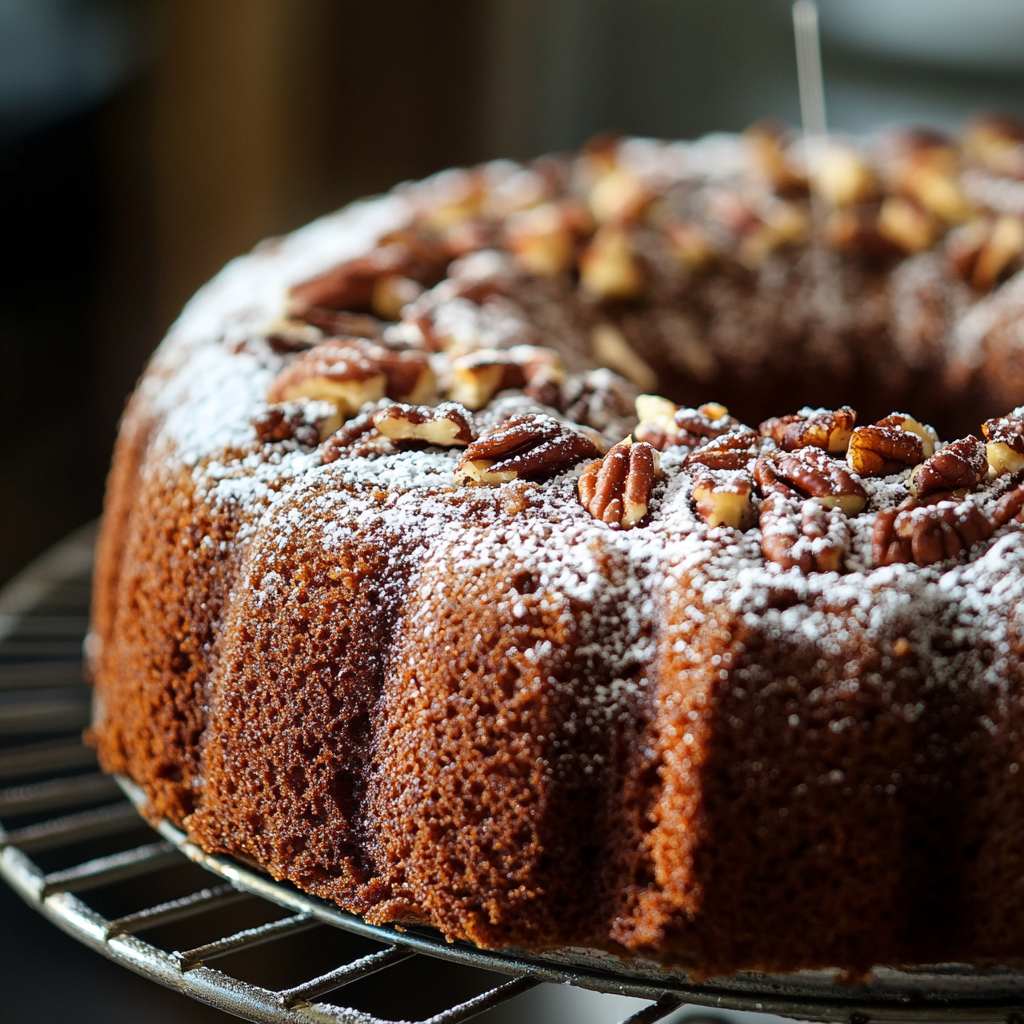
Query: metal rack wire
<point x="97" y="843"/>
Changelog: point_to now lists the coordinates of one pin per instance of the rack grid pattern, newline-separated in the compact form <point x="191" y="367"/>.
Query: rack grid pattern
<point x="56" y="804"/>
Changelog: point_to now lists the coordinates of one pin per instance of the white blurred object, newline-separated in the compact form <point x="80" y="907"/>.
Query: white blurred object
<point x="978" y="35"/>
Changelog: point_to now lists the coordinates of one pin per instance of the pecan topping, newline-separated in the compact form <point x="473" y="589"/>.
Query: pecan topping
<point x="609" y="267"/>
<point x="810" y="473"/>
<point x="543" y="239"/>
<point x="617" y="488"/>
<point x="812" y="428"/>
<point x="350" y="285"/>
<point x="478" y="376"/>
<point x="1010" y="506"/>
<point x="346" y="438"/>
<point x="309" y="423"/>
<point x="529" y="447"/>
<point x="982" y="251"/>
<point x="447" y="425"/>
<point x="842" y="176"/>
<point x="928" y="533"/>
<point x="337" y="323"/>
<point x="1005" y="447"/>
<point x="960" y="465"/>
<point x="905" y="224"/>
<point x="803" y="535"/>
<point x="735" y="450"/>
<point x="600" y="399"/>
<point x="351" y="372"/>
<point x="890" y="445"/>
<point x="663" y="423"/>
<point x="611" y="349"/>
<point x="724" y="499"/>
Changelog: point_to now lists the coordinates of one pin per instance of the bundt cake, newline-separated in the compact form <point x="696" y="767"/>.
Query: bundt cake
<point x="431" y="581"/>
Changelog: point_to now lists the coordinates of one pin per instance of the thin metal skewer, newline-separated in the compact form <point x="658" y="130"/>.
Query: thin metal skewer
<point x="812" y="88"/>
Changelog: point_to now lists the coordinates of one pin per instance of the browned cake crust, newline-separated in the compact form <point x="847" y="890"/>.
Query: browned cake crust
<point x="385" y="602"/>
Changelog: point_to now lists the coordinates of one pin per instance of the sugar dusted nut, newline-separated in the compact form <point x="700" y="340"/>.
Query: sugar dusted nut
<point x="810" y="474"/>
<point x="937" y="191"/>
<point x="447" y="425"/>
<point x="609" y="267"/>
<point x="927" y="534"/>
<point x="345" y="372"/>
<point x="1010" y="506"/>
<point x="309" y="423"/>
<point x="611" y="350"/>
<point x="689" y="245"/>
<point x="960" y="465"/>
<point x="981" y="251"/>
<point x="289" y="334"/>
<point x="929" y="439"/>
<point x="449" y="199"/>
<point x="906" y="224"/>
<point x="782" y="224"/>
<point x="724" y="499"/>
<point x="997" y="142"/>
<point x="532" y="446"/>
<point x="735" y="450"/>
<point x="803" y="535"/>
<point x="842" y="177"/>
<point x="337" y="323"/>
<point x="768" y="149"/>
<point x="542" y="239"/>
<point x="351" y="372"/>
<point x="879" y="451"/>
<point x="812" y="428"/>
<point x="1005" y="443"/>
<point x="618" y="196"/>
<point x="392" y="293"/>
<point x="710" y="420"/>
<point x="600" y="399"/>
<point x="617" y="489"/>
<point x="478" y="376"/>
<point x="657" y="423"/>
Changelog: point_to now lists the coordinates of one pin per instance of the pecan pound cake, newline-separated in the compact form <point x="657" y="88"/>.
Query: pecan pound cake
<point x="430" y="580"/>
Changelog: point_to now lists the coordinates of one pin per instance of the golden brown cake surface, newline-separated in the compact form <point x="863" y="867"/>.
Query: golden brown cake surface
<point x="422" y="584"/>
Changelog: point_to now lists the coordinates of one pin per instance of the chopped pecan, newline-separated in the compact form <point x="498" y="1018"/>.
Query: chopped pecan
<point x="689" y="245"/>
<point x="344" y="440"/>
<point x="529" y="447"/>
<point x="1010" y="506"/>
<point x="478" y="376"/>
<point x="609" y="266"/>
<point x="735" y="450"/>
<point x="611" y="350"/>
<point x="289" y="334"/>
<point x="781" y="225"/>
<point x="350" y="285"/>
<point x="351" y="372"/>
<point x="768" y="147"/>
<point x="663" y="423"/>
<point x="1005" y="447"/>
<point x="960" y="465"/>
<point x="810" y="474"/>
<point x="309" y="423"/>
<point x="392" y="293"/>
<point x="803" y="535"/>
<point x="812" y="428"/>
<point x="906" y="224"/>
<point x="997" y="142"/>
<point x="724" y="498"/>
<point x="982" y="251"/>
<point x="616" y="489"/>
<point x="928" y="533"/>
<point x="842" y="176"/>
<point x="543" y="239"/>
<point x="618" y="196"/>
<point x="447" y="425"/>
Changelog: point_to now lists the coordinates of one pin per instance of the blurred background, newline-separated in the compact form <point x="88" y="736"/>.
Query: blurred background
<point x="143" y="143"/>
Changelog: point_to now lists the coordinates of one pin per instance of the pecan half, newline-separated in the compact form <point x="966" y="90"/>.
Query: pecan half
<point x="617" y="488"/>
<point x="446" y="425"/>
<point x="890" y="445"/>
<point x="309" y="423"/>
<point x="735" y="450"/>
<point x="529" y="447"/>
<point x="600" y="399"/>
<point x="812" y="428"/>
<point x="1005" y="447"/>
<point x="960" y="465"/>
<point x="982" y="251"/>
<point x="906" y="224"/>
<point x="842" y="177"/>
<point x="543" y="239"/>
<point x="478" y="376"/>
<point x="1010" y="506"/>
<point x="810" y="474"/>
<point x="724" y="499"/>
<point x="803" y="535"/>
<point x="928" y="533"/>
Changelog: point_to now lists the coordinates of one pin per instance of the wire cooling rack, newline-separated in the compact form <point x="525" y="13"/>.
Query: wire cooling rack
<point x="66" y="830"/>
